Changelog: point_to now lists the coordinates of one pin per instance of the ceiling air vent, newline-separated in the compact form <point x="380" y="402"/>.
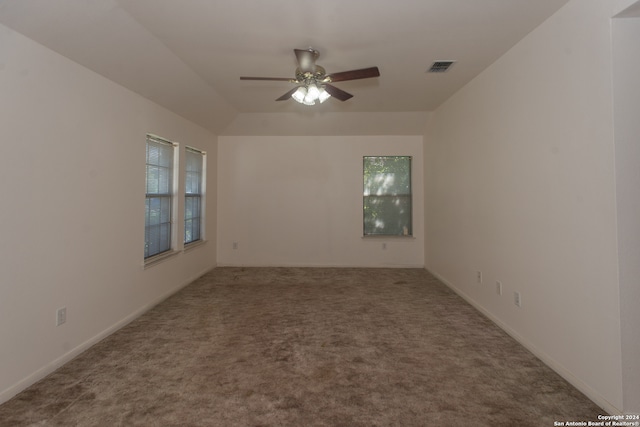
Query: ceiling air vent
<point x="440" y="66"/>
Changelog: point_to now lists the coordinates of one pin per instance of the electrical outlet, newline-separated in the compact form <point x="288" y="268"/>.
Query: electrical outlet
<point x="235" y="245"/>
<point x="61" y="316"/>
<point x="498" y="288"/>
<point x="517" y="299"/>
<point x="479" y="277"/>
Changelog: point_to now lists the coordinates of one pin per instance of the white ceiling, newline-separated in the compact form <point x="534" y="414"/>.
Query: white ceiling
<point x="187" y="55"/>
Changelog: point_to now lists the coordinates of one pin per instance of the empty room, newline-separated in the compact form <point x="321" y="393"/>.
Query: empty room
<point x="291" y="213"/>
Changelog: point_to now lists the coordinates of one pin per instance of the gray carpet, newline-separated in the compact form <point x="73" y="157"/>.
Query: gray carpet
<point x="305" y="347"/>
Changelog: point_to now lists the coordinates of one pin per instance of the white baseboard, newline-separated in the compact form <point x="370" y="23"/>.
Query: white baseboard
<point x="50" y="367"/>
<point x="307" y="265"/>
<point x="560" y="369"/>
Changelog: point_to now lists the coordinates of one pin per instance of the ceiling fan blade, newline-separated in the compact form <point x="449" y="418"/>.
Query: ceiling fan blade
<point x="363" y="73"/>
<point x="278" y="79"/>
<point x="287" y="95"/>
<point x="337" y="93"/>
<point x="306" y="59"/>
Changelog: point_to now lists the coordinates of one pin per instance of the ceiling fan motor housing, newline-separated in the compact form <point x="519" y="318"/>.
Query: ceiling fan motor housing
<point x="319" y="75"/>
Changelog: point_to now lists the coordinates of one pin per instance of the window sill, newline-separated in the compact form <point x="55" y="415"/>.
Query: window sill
<point x="192" y="245"/>
<point x="157" y="259"/>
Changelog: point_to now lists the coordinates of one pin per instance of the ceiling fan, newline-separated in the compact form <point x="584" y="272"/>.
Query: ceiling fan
<point x="313" y="84"/>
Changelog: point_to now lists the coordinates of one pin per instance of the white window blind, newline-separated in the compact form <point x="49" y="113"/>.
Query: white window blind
<point x="387" y="196"/>
<point x="193" y="195"/>
<point x="159" y="196"/>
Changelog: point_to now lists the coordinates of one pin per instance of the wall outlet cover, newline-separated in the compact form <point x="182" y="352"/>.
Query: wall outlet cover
<point x="61" y="316"/>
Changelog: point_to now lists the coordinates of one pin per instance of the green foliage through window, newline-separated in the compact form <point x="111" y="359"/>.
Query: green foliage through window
<point x="387" y="195"/>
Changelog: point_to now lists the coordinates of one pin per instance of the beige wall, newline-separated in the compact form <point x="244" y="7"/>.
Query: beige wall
<point x="521" y="186"/>
<point x="310" y="122"/>
<point x="72" y="173"/>
<point x="626" y="69"/>
<point x="297" y="201"/>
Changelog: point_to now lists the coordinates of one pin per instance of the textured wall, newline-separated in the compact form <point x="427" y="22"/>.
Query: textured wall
<point x="520" y="178"/>
<point x="298" y="201"/>
<point x="626" y="33"/>
<point x="72" y="168"/>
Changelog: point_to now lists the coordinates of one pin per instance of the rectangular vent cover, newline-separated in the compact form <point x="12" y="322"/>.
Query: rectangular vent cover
<point x="440" y="66"/>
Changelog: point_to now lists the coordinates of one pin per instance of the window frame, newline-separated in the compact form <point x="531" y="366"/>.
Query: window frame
<point x="151" y="257"/>
<point x="408" y="233"/>
<point x="200" y="196"/>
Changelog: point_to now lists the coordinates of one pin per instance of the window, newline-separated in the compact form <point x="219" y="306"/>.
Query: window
<point x="193" y="192"/>
<point x="387" y="195"/>
<point x="159" y="198"/>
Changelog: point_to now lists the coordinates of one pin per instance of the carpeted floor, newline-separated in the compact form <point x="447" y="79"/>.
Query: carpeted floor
<point x="305" y="347"/>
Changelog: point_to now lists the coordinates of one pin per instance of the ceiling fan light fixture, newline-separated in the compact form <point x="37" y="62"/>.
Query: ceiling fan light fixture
<point x="323" y="95"/>
<point x="312" y="95"/>
<point x="313" y="92"/>
<point x="299" y="94"/>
